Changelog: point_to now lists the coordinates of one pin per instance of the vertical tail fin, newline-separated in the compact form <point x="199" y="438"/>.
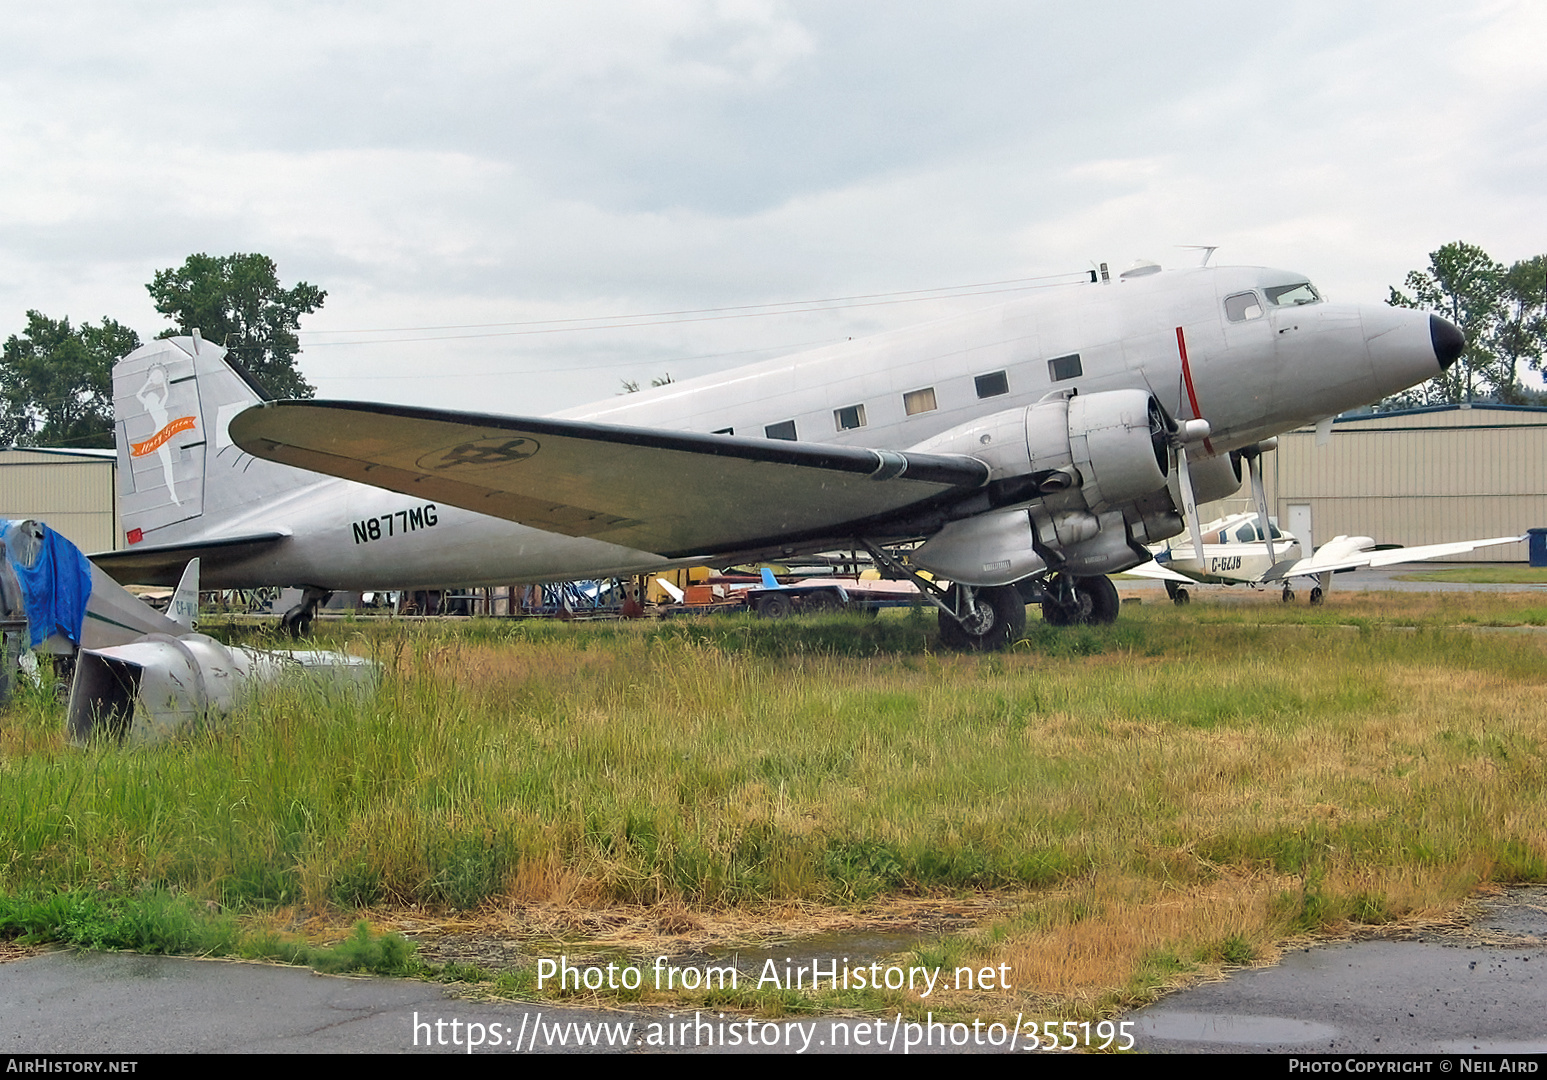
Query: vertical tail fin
<point x="180" y="478"/>
<point x="184" y="609"/>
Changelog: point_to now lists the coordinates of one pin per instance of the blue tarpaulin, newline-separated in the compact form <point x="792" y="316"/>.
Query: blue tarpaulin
<point x="57" y="584"/>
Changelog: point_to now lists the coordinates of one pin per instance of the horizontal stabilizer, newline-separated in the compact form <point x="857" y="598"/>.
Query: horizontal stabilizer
<point x="163" y="564"/>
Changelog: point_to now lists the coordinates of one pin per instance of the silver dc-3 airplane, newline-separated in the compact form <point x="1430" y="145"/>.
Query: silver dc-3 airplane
<point x="1236" y="552"/>
<point x="1028" y="449"/>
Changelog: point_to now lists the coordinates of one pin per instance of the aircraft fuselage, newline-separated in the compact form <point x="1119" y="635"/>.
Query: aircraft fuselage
<point x="1205" y="342"/>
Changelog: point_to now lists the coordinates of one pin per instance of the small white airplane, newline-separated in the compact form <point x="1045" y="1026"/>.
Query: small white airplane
<point x="1028" y="448"/>
<point x="1235" y="552"/>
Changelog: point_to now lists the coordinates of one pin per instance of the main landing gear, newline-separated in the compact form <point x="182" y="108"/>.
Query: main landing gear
<point x="991" y="617"/>
<point x="1080" y="601"/>
<point x="1178" y="593"/>
<point x="296" y="622"/>
<point x="994" y="618"/>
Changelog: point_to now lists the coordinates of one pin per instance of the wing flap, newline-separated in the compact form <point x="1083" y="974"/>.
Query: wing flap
<point x="672" y="493"/>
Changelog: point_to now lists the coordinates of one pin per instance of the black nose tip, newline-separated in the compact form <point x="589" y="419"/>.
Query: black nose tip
<point x="1448" y="341"/>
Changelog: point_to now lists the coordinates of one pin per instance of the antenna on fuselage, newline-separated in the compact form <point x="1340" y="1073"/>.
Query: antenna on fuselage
<point x="1207" y="249"/>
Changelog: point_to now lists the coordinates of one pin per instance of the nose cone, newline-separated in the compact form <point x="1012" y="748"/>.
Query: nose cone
<point x="1448" y="341"/>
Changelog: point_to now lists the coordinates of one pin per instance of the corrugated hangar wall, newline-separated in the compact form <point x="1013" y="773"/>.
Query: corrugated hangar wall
<point x="1423" y="476"/>
<point x="73" y="491"/>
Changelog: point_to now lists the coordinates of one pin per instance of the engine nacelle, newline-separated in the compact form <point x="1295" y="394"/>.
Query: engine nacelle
<point x="1112" y="446"/>
<point x="1213" y="478"/>
<point x="1084" y="459"/>
<point x="1118" y="440"/>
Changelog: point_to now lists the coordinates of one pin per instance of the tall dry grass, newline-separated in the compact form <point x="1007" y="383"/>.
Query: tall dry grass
<point x="1182" y="789"/>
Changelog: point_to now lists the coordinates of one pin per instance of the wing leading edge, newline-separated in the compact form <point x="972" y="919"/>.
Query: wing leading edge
<point x="672" y="493"/>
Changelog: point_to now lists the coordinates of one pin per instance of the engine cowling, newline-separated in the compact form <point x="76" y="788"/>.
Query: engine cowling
<point x="1213" y="478"/>
<point x="1081" y="458"/>
<point x="1112" y="446"/>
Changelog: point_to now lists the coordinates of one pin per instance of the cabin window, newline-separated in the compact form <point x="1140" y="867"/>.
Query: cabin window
<point x="1243" y="306"/>
<point x="1065" y="367"/>
<point x="1249" y="534"/>
<point x="724" y="431"/>
<point x="850" y="417"/>
<point x="992" y="384"/>
<point x="919" y="401"/>
<point x="1293" y="295"/>
<point x="784" y="429"/>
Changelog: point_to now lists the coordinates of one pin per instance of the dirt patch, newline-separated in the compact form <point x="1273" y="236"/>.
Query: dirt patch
<point x="502" y="939"/>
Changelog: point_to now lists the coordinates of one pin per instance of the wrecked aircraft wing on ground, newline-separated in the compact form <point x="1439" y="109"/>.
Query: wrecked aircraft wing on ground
<point x="139" y="676"/>
<point x="161" y="685"/>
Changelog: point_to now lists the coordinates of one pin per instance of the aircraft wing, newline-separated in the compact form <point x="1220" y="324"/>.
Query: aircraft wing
<point x="1382" y="557"/>
<point x="162" y="564"/>
<point x="1153" y="569"/>
<point x="673" y="493"/>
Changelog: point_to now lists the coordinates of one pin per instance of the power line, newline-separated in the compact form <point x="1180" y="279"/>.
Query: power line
<point x="672" y="318"/>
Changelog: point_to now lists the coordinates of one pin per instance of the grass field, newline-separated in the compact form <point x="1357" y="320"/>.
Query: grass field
<point x="1104" y="811"/>
<point x="1484" y="575"/>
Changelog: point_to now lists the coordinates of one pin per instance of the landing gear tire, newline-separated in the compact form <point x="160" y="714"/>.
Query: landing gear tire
<point x="773" y="607"/>
<point x="1178" y="593"/>
<point x="998" y="621"/>
<point x="1083" y="601"/>
<point x="1289" y="595"/>
<point x="297" y="622"/>
<point x="1317" y="596"/>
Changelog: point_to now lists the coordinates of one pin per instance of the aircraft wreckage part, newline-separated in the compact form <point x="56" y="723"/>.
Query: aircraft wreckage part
<point x="155" y="688"/>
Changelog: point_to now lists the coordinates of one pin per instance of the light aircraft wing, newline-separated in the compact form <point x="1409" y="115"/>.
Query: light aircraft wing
<point x="727" y="493"/>
<point x="1153" y="569"/>
<point x="161" y="564"/>
<point x="1342" y="560"/>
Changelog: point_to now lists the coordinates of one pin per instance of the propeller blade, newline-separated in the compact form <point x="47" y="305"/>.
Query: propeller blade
<point x="1189" y="503"/>
<point x="1254" y="467"/>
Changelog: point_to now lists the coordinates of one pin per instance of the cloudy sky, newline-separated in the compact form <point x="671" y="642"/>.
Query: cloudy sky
<point x="461" y="176"/>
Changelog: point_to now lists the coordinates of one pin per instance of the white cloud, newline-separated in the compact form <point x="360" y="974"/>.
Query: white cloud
<point x="489" y="162"/>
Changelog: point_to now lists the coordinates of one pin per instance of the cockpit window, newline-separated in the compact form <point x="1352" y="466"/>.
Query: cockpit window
<point x="1293" y="295"/>
<point x="1243" y="306"/>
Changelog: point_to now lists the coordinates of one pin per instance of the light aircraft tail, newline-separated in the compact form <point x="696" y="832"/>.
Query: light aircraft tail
<point x="184" y="609"/>
<point x="184" y="488"/>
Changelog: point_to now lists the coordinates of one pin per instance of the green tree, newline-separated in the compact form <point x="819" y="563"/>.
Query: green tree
<point x="56" y="382"/>
<point x="236" y="301"/>
<point x="1498" y="308"/>
<point x="1462" y="283"/>
<point x="1521" y="334"/>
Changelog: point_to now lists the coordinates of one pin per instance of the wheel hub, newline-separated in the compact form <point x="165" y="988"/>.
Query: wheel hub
<point x="981" y="621"/>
